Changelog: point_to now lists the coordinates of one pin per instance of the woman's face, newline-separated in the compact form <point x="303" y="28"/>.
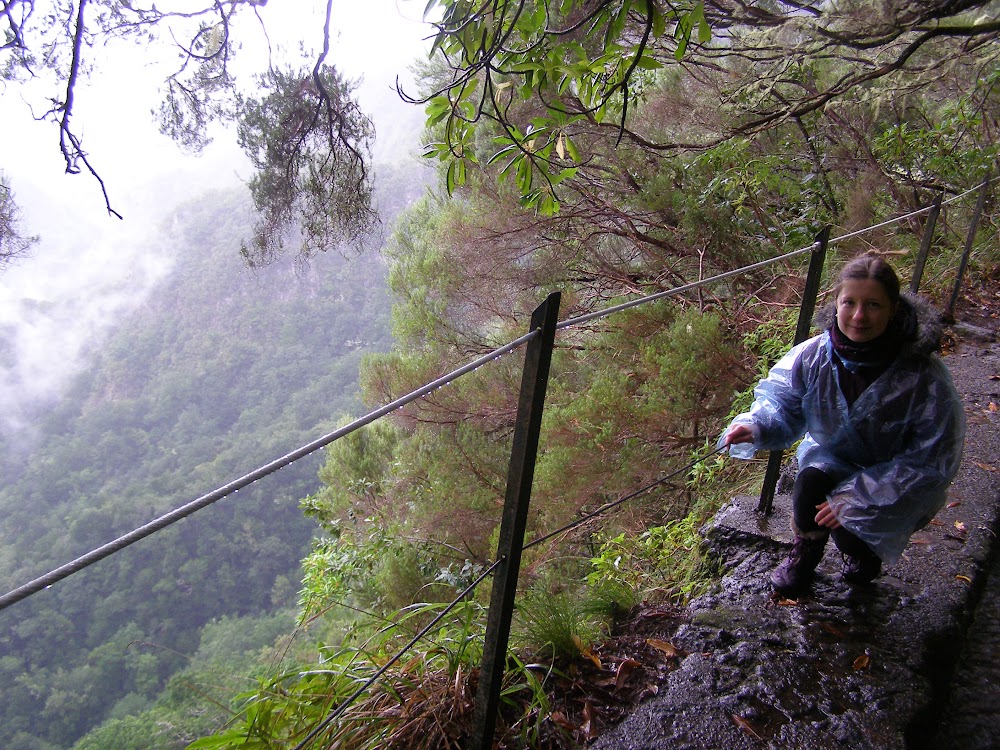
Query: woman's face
<point x="863" y="310"/>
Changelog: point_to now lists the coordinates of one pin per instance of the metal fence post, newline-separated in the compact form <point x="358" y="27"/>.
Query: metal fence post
<point x="970" y="238"/>
<point x="534" y="379"/>
<point x="925" y="244"/>
<point x="814" y="277"/>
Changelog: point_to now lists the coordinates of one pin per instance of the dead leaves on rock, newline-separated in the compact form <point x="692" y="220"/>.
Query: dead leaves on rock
<point x="746" y="726"/>
<point x="625" y="668"/>
<point x="960" y="534"/>
<point x="586" y="729"/>
<point x="611" y="678"/>
<point x="665" y="646"/>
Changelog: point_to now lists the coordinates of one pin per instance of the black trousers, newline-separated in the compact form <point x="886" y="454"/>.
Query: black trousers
<point x="811" y="488"/>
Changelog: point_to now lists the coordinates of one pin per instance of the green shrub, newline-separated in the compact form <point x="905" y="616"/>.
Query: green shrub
<point x="663" y="562"/>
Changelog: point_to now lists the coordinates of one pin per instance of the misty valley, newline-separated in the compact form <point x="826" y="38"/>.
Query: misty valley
<point x="218" y="371"/>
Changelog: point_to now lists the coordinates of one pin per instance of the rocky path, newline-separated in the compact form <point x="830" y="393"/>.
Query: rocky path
<point x="865" y="668"/>
<point x="971" y="718"/>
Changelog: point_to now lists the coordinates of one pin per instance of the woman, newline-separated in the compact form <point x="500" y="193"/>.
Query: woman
<point x="882" y="426"/>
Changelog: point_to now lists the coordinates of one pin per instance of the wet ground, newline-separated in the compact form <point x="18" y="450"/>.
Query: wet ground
<point x="859" y="667"/>
<point x="971" y="718"/>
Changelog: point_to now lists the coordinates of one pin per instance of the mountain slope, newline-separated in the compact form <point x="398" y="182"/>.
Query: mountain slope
<point x="220" y="371"/>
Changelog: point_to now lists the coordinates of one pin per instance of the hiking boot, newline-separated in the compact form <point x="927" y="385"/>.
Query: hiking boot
<point x="796" y="572"/>
<point x="861" y="569"/>
<point x="861" y="564"/>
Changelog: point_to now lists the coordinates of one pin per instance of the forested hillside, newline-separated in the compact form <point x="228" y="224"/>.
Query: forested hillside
<point x="220" y="371"/>
<point x="607" y="151"/>
<point x="611" y="151"/>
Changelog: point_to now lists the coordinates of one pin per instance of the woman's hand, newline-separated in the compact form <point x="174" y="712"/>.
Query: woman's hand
<point x="825" y="516"/>
<point x="738" y="433"/>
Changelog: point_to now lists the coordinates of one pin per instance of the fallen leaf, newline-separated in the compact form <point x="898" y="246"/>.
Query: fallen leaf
<point x="788" y="602"/>
<point x="587" y="727"/>
<point x="862" y="662"/>
<point x="664" y="646"/>
<point x="960" y="526"/>
<point x="954" y="503"/>
<point x="624" y="670"/>
<point x="993" y="406"/>
<point x="985" y="467"/>
<point x="935" y="522"/>
<point x="965" y="579"/>
<point x="829" y="627"/>
<point x="746" y="726"/>
<point x="558" y="717"/>
<point x="586" y="653"/>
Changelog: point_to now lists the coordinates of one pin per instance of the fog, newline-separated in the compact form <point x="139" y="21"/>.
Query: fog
<point x="89" y="268"/>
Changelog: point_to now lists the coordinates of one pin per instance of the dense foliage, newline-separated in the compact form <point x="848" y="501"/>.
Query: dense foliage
<point x="605" y="150"/>
<point x="534" y="88"/>
<point x="220" y="371"/>
<point x="612" y="150"/>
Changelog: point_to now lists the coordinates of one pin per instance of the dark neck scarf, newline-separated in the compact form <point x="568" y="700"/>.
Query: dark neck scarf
<point x="881" y="350"/>
<point x="860" y="364"/>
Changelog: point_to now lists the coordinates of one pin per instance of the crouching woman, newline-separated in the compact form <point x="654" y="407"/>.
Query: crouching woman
<point x="882" y="426"/>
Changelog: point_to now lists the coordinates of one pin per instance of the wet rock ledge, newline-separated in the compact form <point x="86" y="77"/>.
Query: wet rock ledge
<point x="857" y="667"/>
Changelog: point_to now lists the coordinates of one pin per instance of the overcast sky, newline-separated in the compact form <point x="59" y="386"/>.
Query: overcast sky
<point x="88" y="267"/>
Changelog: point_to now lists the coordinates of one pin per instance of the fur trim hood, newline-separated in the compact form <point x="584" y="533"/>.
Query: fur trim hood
<point x="919" y="323"/>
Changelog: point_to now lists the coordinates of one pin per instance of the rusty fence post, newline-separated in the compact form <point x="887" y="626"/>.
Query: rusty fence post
<point x="814" y="277"/>
<point x="534" y="379"/>
<point x="970" y="238"/>
<point x="925" y="244"/>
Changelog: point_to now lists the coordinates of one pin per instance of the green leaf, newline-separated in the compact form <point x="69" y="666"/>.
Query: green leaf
<point x="704" y="29"/>
<point x="564" y="174"/>
<point x="571" y="150"/>
<point x="437" y="109"/>
<point x="503" y="152"/>
<point x="617" y="24"/>
<point x="659" y="22"/>
<point x="524" y="175"/>
<point x="232" y="738"/>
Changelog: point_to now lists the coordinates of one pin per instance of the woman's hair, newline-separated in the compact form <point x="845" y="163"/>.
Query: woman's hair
<point x="870" y="266"/>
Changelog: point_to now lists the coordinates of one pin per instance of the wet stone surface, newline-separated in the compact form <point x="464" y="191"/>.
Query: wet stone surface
<point x="859" y="667"/>
<point x="971" y="719"/>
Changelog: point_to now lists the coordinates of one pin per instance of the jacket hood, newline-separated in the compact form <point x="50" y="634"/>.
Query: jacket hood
<point x="919" y="323"/>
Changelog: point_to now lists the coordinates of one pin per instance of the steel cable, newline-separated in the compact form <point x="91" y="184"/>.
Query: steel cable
<point x="346" y="703"/>
<point x="615" y="503"/>
<point x="177" y="514"/>
<point x="168" y="519"/>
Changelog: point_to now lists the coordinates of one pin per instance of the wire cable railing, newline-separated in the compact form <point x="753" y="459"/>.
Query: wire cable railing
<point x="162" y="522"/>
<point x="184" y="511"/>
<point x="98" y="554"/>
<point x="348" y="701"/>
<point x="166" y="520"/>
<point x="483" y="575"/>
<point x="622" y="500"/>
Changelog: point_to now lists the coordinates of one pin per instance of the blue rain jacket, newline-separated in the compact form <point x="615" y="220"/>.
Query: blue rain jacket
<point x="894" y="451"/>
